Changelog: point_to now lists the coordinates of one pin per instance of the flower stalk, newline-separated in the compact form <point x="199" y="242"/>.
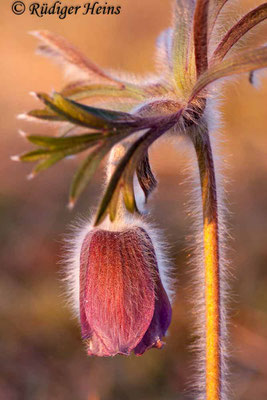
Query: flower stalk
<point x="213" y="345"/>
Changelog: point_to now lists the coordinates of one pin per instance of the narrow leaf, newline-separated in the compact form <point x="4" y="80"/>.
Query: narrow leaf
<point x="86" y="171"/>
<point x="47" y="163"/>
<point x="128" y="187"/>
<point x="88" y="116"/>
<point x="84" y="91"/>
<point x="35" y="155"/>
<point x="72" y="112"/>
<point x="46" y="114"/>
<point x="64" y="152"/>
<point x="201" y="35"/>
<point x="215" y="7"/>
<point x="113" y="205"/>
<point x="183" y="46"/>
<point x="89" y="167"/>
<point x="164" y="51"/>
<point x="246" y="23"/>
<point x="146" y="177"/>
<point x="106" y="115"/>
<point x="60" y="49"/>
<point x="64" y="142"/>
<point x="243" y="62"/>
<point x="115" y="119"/>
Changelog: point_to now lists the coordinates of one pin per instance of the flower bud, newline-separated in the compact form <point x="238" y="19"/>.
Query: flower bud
<point x="123" y="304"/>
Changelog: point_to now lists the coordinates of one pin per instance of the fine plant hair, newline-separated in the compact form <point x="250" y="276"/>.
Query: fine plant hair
<point x="200" y="52"/>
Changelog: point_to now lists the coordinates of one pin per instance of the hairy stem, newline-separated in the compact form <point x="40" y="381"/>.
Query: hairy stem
<point x="213" y="345"/>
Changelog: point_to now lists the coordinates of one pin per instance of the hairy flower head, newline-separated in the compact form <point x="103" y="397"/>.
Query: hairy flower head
<point x="123" y="305"/>
<point x="119" y="287"/>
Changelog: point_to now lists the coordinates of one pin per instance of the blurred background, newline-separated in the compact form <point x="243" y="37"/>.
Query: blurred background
<point x="41" y="354"/>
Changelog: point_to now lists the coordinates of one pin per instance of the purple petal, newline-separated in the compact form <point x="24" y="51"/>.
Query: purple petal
<point x="159" y="324"/>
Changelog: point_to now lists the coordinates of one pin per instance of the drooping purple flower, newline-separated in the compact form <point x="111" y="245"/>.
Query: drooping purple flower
<point x="123" y="304"/>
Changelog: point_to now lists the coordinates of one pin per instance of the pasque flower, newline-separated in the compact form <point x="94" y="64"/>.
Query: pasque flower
<point x="123" y="305"/>
<point x="191" y="56"/>
<point x="118" y="279"/>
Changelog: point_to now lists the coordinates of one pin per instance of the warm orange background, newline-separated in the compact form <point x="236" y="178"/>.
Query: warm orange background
<point x="41" y="355"/>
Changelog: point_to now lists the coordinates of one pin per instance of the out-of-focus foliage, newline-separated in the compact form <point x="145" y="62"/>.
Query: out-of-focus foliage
<point x="41" y="356"/>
